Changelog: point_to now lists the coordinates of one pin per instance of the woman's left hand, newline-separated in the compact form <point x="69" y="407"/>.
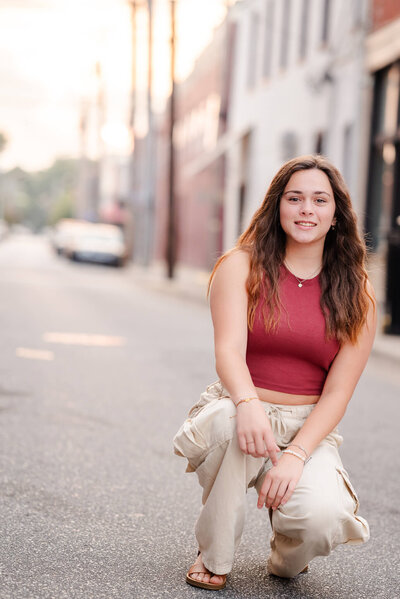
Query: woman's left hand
<point x="280" y="482"/>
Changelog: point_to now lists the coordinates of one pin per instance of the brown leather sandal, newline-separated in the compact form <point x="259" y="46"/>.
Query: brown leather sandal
<point x="305" y="570"/>
<point x="196" y="569"/>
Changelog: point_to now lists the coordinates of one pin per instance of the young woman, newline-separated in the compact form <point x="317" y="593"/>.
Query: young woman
<point x="294" y="321"/>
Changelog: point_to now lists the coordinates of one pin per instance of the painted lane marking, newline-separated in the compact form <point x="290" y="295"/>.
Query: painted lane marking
<point x="34" y="354"/>
<point x="84" y="339"/>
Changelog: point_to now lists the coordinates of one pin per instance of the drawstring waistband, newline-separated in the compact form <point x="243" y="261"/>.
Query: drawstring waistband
<point x="277" y="414"/>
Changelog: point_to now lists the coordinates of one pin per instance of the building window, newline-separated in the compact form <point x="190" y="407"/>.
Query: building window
<point x="285" y="34"/>
<point x="326" y="9"/>
<point x="347" y="153"/>
<point x="289" y="145"/>
<point x="358" y="6"/>
<point x="243" y="178"/>
<point x="241" y="208"/>
<point x="319" y="143"/>
<point x="268" y="38"/>
<point x="253" y="45"/>
<point x="305" y="12"/>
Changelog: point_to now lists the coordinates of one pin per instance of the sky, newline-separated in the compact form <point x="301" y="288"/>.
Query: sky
<point x="49" y="50"/>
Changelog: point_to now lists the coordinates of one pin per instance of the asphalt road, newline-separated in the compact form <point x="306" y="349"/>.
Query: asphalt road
<point x="97" y="372"/>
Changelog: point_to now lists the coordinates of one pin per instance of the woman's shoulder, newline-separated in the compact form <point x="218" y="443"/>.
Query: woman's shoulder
<point x="235" y="262"/>
<point x="231" y="272"/>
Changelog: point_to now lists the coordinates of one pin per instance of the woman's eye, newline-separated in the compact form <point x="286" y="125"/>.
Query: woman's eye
<point x="321" y="201"/>
<point x="294" y="199"/>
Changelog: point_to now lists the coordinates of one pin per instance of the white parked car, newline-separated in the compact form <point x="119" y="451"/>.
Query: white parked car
<point x="98" y="243"/>
<point x="63" y="233"/>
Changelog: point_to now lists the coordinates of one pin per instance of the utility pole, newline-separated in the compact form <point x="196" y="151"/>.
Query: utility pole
<point x="81" y="209"/>
<point x="142" y="157"/>
<point x="130" y="234"/>
<point x="149" y="178"/>
<point x="100" y="120"/>
<point x="171" y="230"/>
<point x="132" y="4"/>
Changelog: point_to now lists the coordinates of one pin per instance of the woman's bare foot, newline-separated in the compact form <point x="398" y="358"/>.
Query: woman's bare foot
<point x="200" y="573"/>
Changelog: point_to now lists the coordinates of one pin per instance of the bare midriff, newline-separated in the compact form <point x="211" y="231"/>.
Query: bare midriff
<point x="287" y="399"/>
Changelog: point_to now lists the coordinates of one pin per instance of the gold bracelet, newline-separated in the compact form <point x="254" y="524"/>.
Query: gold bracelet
<point x="245" y="400"/>
<point x="295" y="454"/>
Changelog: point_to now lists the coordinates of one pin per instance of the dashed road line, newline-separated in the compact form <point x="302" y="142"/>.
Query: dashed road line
<point x="84" y="339"/>
<point x="34" y="354"/>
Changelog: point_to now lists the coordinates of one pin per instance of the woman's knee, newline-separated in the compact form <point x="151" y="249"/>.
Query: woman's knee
<point x="321" y="524"/>
<point x="314" y="521"/>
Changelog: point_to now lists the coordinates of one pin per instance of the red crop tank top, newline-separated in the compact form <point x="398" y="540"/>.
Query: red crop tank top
<point x="296" y="357"/>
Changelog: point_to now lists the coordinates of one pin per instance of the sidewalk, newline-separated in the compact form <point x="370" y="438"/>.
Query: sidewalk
<point x="387" y="346"/>
<point x="191" y="284"/>
<point x="188" y="283"/>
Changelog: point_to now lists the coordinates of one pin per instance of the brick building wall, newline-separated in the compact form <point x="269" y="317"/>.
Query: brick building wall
<point x="383" y="12"/>
<point x="199" y="166"/>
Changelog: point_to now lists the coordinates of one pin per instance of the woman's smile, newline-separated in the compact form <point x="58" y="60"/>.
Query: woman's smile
<point x="306" y="224"/>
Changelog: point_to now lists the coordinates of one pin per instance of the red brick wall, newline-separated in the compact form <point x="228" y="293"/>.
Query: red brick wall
<point x="384" y="11"/>
<point x="198" y="193"/>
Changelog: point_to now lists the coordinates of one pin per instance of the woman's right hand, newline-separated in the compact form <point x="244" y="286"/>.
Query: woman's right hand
<point x="254" y="431"/>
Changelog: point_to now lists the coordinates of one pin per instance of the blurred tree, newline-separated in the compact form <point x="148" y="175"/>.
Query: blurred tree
<point x="3" y="141"/>
<point x="41" y="198"/>
<point x="62" y="208"/>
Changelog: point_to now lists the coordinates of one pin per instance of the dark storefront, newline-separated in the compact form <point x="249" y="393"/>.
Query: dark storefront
<point x="383" y="207"/>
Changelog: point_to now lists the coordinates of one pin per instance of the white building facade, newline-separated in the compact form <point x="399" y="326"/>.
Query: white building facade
<point x="299" y="86"/>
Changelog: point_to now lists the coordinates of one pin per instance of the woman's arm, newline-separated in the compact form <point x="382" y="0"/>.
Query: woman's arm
<point x="228" y="302"/>
<point x="340" y="383"/>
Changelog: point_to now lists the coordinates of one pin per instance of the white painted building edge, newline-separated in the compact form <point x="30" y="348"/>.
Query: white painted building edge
<point x="324" y="92"/>
<point x="383" y="46"/>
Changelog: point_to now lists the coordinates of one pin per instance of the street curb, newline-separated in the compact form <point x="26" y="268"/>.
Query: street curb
<point x="187" y="283"/>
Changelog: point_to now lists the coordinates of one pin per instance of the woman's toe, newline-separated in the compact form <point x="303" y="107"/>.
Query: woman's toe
<point x="216" y="579"/>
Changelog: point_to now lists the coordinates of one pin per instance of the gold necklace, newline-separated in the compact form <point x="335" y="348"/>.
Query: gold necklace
<point x="301" y="281"/>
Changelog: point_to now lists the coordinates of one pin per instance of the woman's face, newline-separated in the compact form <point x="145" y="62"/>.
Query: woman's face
<point x="307" y="208"/>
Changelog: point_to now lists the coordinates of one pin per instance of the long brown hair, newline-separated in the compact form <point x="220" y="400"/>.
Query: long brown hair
<point x="344" y="293"/>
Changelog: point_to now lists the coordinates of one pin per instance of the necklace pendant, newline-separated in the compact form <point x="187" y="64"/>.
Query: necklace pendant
<point x="300" y="285"/>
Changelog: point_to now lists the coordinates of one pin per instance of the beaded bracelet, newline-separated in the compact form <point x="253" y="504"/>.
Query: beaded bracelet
<point x="295" y="454"/>
<point x="245" y="400"/>
<point x="299" y="447"/>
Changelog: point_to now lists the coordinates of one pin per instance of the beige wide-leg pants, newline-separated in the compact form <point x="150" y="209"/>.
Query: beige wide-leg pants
<point x="321" y="513"/>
